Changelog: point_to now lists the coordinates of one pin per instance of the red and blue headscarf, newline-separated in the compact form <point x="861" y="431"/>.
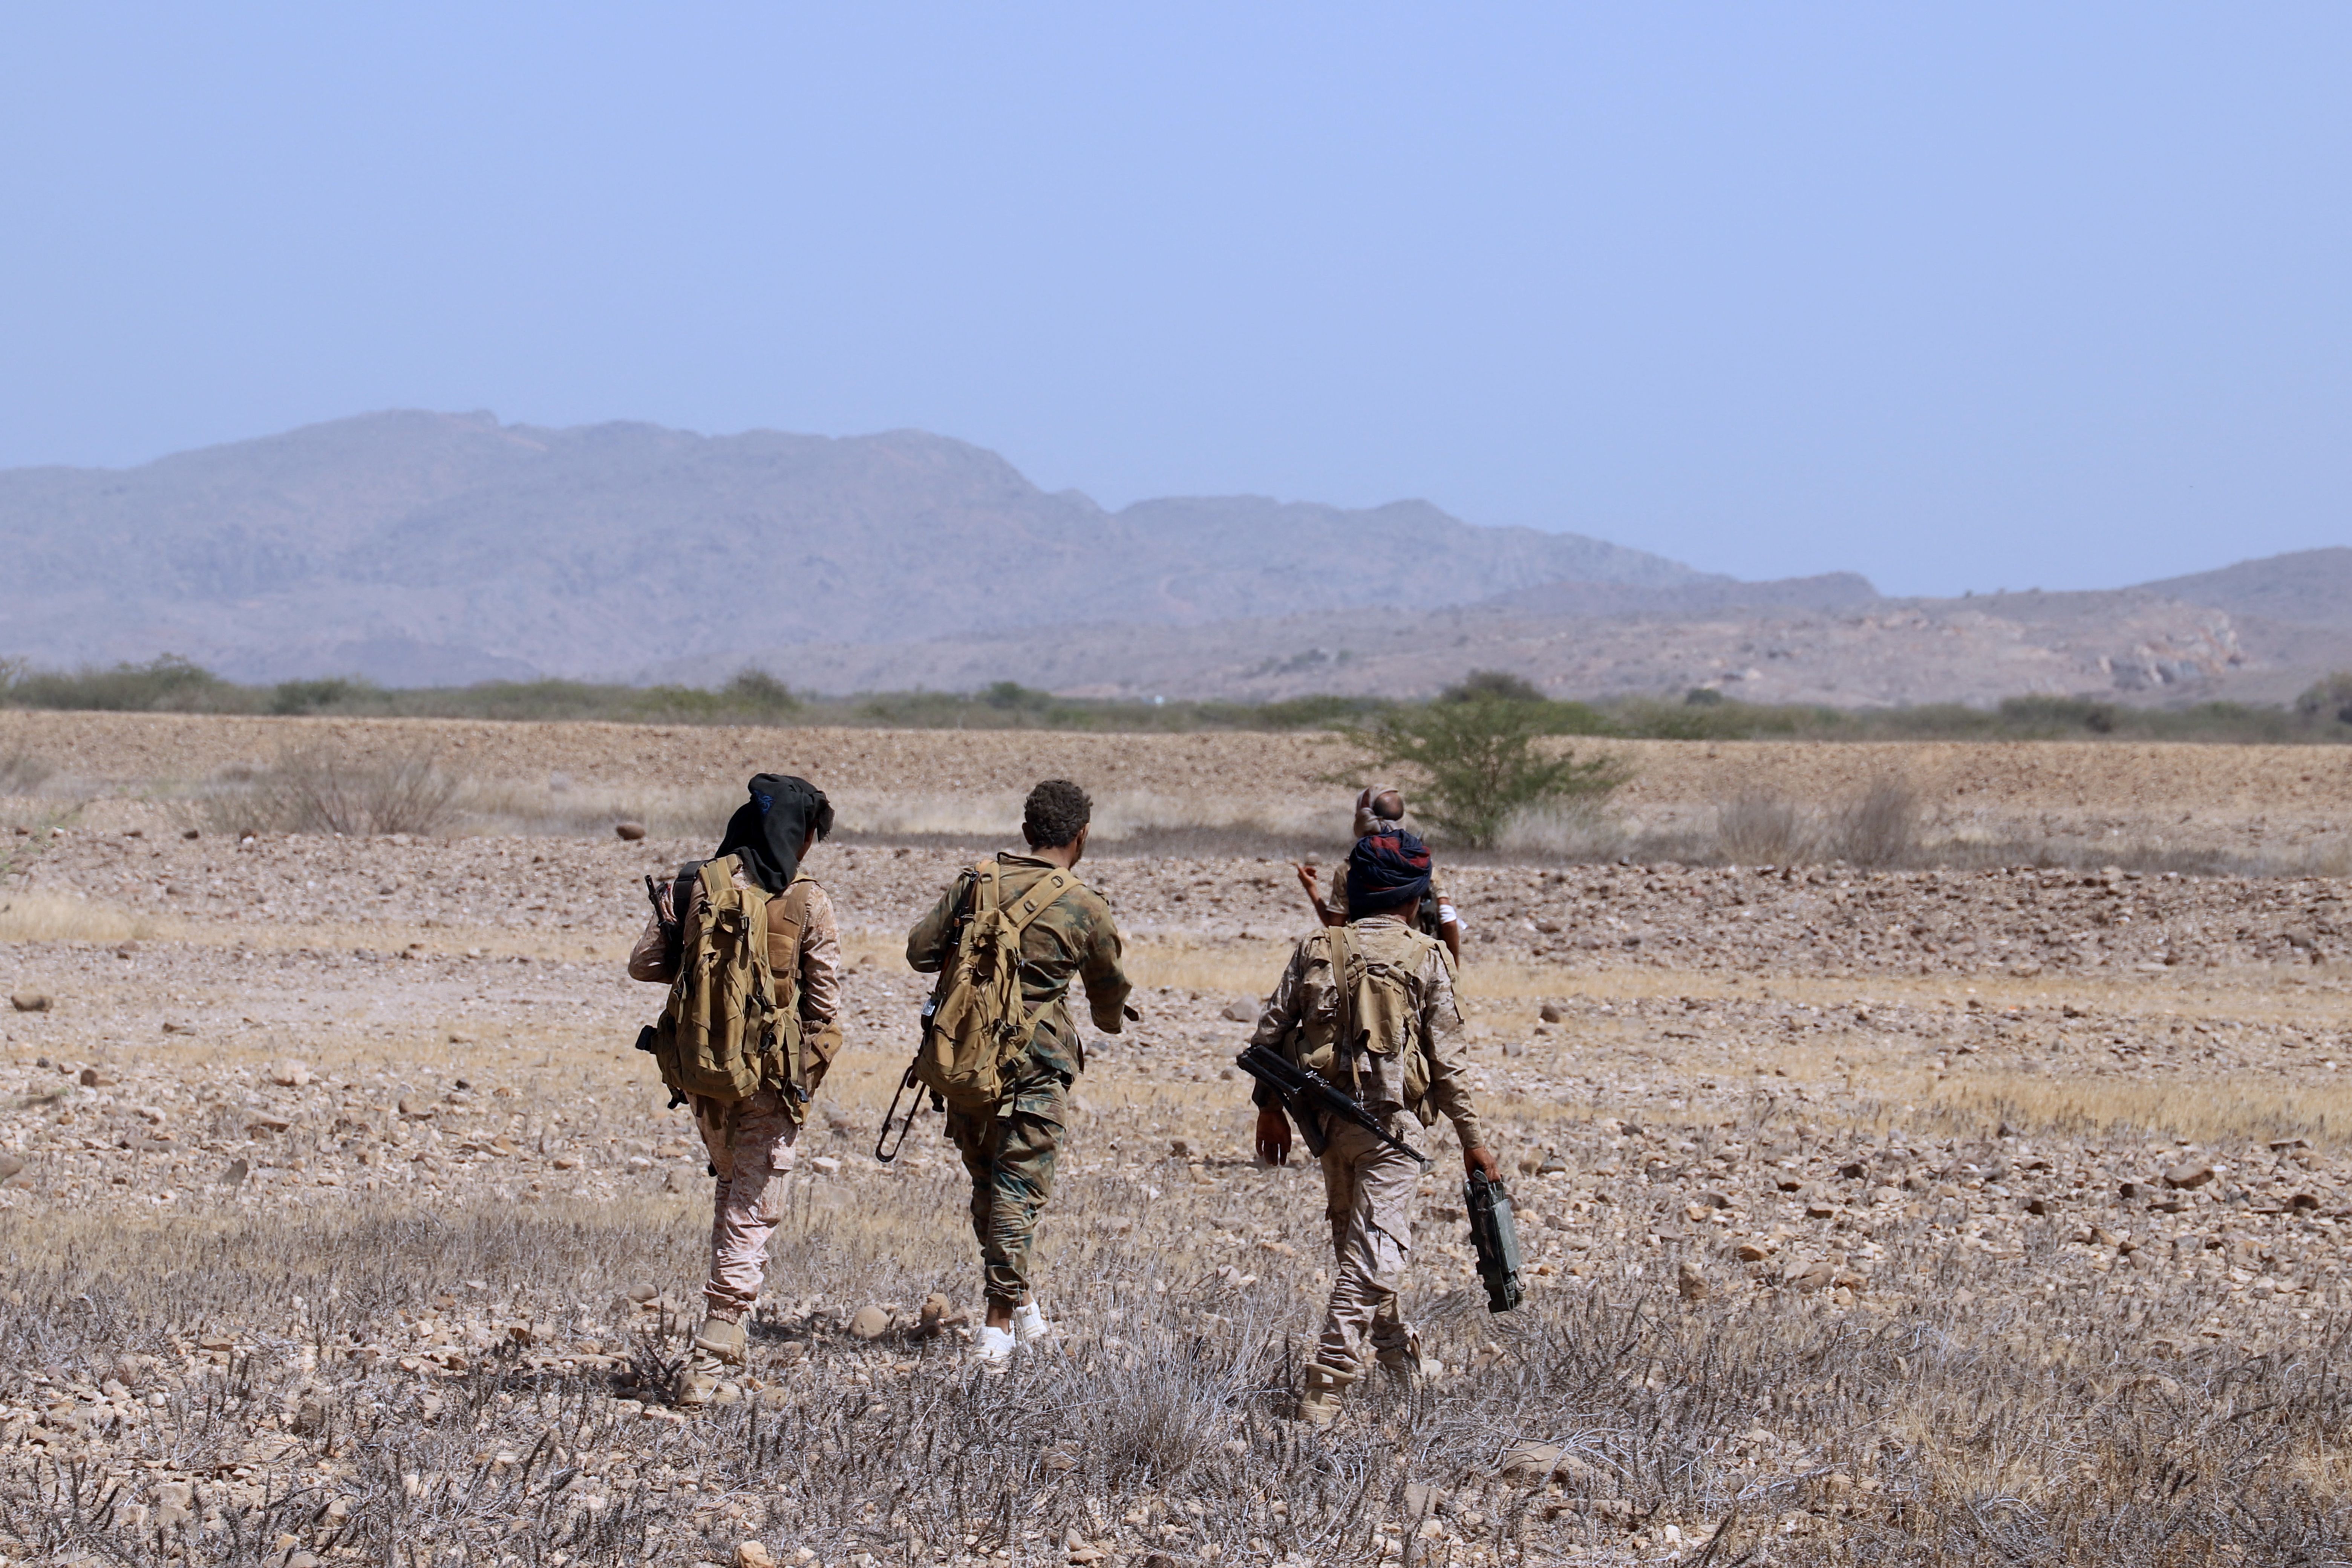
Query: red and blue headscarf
<point x="1386" y="871"/>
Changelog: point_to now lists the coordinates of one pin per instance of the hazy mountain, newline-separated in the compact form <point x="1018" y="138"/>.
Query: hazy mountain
<point x="419" y="547"/>
<point x="2306" y="588"/>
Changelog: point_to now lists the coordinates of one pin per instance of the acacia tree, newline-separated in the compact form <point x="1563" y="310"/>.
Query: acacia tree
<point x="1476" y="754"/>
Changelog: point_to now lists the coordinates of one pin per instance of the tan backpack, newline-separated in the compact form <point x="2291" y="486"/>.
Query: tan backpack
<point x="980" y="1022"/>
<point x="727" y="1028"/>
<point x="1379" y="1003"/>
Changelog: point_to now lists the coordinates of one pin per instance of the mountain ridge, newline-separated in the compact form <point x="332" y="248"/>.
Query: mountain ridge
<point x="413" y="546"/>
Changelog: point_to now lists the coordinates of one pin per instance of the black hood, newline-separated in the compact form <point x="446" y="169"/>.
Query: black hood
<point x="768" y="829"/>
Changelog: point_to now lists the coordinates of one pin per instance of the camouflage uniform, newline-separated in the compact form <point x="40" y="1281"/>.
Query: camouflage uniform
<point x="1369" y="1186"/>
<point x="751" y="1142"/>
<point x="1010" y="1153"/>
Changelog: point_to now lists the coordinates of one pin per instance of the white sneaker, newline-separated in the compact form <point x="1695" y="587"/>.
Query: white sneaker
<point x="992" y="1348"/>
<point x="1029" y="1324"/>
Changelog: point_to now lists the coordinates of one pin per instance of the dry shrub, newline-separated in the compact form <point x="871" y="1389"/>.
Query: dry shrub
<point x="1577" y="830"/>
<point x="315" y="790"/>
<point x="1879" y="826"/>
<point x="21" y="772"/>
<point x="1760" y="827"/>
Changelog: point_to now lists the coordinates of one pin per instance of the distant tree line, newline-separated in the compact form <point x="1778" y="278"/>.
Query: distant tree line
<point x="1483" y="705"/>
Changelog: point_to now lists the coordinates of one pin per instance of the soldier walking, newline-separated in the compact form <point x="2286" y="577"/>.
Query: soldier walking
<point x="750" y="1141"/>
<point x="1009" y="1147"/>
<point x="1369" y="1004"/>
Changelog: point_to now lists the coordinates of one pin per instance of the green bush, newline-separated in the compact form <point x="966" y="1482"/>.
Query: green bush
<point x="1479" y="763"/>
<point x="168" y="684"/>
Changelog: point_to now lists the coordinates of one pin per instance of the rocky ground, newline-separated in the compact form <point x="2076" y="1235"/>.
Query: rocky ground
<point x="1911" y="1217"/>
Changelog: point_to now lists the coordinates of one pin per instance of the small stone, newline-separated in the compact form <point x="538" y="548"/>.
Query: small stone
<point x="628" y="832"/>
<point x="288" y="1074"/>
<point x="868" y="1323"/>
<point x="1240" y="1012"/>
<point x="94" y="1078"/>
<point x="1751" y="1252"/>
<point x="1179" y="1148"/>
<point x="825" y="1165"/>
<point x="10" y="1165"/>
<point x="1689" y="1282"/>
<point x="752" y="1553"/>
<point x="415" y="1106"/>
<point x="1534" y="1464"/>
<point x="2190" y="1174"/>
<point x="30" y="1002"/>
<point x="236" y="1173"/>
<point x="1813" y="1276"/>
<point x="1554" y="1164"/>
<point x="939" y="1315"/>
<point x="461" y="1038"/>
<point x="1552" y="1013"/>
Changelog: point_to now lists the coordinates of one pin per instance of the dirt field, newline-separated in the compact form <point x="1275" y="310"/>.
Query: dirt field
<point x="1924" y="1216"/>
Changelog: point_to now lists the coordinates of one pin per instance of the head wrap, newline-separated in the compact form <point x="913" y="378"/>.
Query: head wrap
<point x="1370" y="822"/>
<point x="768" y="830"/>
<point x="1386" y="871"/>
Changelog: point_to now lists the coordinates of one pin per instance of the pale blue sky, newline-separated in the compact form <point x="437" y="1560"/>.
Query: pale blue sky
<point x="1959" y="296"/>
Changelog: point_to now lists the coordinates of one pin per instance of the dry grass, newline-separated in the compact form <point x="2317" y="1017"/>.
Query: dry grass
<point x="1941" y="1434"/>
<point x="30" y="915"/>
<point x="2233" y="1111"/>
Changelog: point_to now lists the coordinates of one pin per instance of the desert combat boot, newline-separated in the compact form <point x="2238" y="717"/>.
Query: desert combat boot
<point x="718" y="1347"/>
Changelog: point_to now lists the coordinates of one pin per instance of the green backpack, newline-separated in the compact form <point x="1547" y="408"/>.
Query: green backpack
<point x="979" y="1023"/>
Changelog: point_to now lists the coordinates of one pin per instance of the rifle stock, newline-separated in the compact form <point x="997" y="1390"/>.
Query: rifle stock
<point x="1307" y="1097"/>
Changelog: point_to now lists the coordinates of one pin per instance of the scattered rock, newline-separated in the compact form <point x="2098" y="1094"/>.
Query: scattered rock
<point x="1555" y="1163"/>
<point x="29" y="1000"/>
<point x="2190" y="1174"/>
<point x="1752" y="1252"/>
<point x="236" y="1173"/>
<point x="96" y="1077"/>
<point x="1535" y="1464"/>
<point x="10" y="1165"/>
<point x="1814" y="1276"/>
<point x="287" y="1074"/>
<point x="1240" y="1012"/>
<point x="416" y="1108"/>
<point x="868" y="1323"/>
<point x="752" y="1553"/>
<point x="1689" y="1282"/>
<point x="628" y="832"/>
<point x="825" y="1165"/>
<point x="1552" y="1013"/>
<point x="939" y="1315"/>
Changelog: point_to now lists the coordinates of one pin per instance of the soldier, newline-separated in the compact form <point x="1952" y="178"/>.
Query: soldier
<point x="1381" y="809"/>
<point x="1009" y="1150"/>
<point x="1398" y="1012"/>
<point x="750" y="1141"/>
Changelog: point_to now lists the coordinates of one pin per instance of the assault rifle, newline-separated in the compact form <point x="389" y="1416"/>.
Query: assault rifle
<point x="1497" y="1239"/>
<point x="1308" y="1096"/>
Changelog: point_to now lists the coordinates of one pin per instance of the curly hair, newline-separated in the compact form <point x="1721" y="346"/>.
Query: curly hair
<point x="1054" y="813"/>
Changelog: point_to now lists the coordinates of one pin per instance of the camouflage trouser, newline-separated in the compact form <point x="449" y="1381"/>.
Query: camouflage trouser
<point x="1368" y="1195"/>
<point x="751" y="1146"/>
<point x="1011" y="1158"/>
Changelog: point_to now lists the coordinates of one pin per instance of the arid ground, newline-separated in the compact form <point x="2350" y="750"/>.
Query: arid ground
<point x="1987" y="1211"/>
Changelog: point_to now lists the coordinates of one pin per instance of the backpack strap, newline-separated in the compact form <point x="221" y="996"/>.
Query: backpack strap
<point x="1344" y="1002"/>
<point x="1042" y="894"/>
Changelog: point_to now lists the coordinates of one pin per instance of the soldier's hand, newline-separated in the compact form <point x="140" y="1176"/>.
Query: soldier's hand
<point x="1481" y="1161"/>
<point x="1274" y="1136"/>
<point x="1306" y="880"/>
